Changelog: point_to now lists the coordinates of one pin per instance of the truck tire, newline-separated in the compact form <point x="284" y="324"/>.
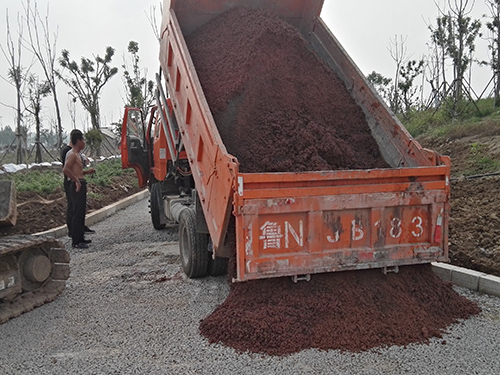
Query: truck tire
<point x="156" y="207"/>
<point x="193" y="246"/>
<point x="217" y="266"/>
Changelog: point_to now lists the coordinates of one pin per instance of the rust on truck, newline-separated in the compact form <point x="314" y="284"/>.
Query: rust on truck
<point x="290" y="224"/>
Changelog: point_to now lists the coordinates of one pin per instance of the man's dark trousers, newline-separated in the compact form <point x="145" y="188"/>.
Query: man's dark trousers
<point x="79" y="202"/>
<point x="69" y="207"/>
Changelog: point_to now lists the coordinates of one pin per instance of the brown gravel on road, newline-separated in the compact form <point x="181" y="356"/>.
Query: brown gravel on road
<point x="349" y="311"/>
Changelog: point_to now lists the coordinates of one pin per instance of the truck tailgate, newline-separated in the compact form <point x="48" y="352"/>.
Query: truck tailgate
<point x="289" y="224"/>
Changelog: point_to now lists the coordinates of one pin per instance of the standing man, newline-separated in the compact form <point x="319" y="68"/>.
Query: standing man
<point x="66" y="184"/>
<point x="73" y="169"/>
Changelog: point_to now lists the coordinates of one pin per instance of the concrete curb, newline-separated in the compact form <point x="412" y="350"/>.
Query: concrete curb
<point x="98" y="215"/>
<point x="474" y="280"/>
<point x="477" y="281"/>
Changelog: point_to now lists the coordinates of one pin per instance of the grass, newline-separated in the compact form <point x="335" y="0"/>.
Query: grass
<point x="469" y="119"/>
<point x="106" y="170"/>
<point x="480" y="161"/>
<point x="91" y="194"/>
<point x="50" y="181"/>
<point x="471" y="122"/>
<point x="37" y="181"/>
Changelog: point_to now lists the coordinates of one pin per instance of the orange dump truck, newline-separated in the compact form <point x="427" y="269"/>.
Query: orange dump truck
<point x="285" y="224"/>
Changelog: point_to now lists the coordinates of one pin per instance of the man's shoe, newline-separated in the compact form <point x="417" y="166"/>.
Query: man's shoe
<point x="81" y="245"/>
<point x="86" y="241"/>
<point x="88" y="230"/>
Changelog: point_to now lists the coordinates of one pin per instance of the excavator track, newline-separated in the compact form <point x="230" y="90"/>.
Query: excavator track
<point x="33" y="271"/>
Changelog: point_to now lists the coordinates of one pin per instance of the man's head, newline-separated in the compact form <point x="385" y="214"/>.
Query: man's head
<point x="74" y="131"/>
<point x="77" y="139"/>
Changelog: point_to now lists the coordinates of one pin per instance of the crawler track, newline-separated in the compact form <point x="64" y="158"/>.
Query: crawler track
<point x="33" y="271"/>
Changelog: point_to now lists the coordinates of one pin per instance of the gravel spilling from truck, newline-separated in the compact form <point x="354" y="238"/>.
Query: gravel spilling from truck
<point x="349" y="311"/>
<point x="279" y="108"/>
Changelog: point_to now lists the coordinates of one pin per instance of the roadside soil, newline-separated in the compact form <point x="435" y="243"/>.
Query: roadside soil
<point x="38" y="212"/>
<point x="475" y="202"/>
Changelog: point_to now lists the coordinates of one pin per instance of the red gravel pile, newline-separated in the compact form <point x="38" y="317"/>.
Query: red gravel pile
<point x="277" y="106"/>
<point x="349" y="311"/>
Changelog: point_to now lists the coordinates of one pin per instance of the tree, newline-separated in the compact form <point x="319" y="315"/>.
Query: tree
<point x="382" y="85"/>
<point x="44" y="49"/>
<point x="140" y="91"/>
<point x="438" y="60"/>
<point x="17" y="77"/>
<point x="37" y="91"/>
<point x="494" y="27"/>
<point x="406" y="86"/>
<point x="456" y="35"/>
<point x="88" y="79"/>
<point x="94" y="139"/>
<point x="7" y="136"/>
<point x="398" y="54"/>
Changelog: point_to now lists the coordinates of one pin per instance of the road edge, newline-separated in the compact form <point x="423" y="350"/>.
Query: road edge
<point x="98" y="215"/>
<point x="470" y="279"/>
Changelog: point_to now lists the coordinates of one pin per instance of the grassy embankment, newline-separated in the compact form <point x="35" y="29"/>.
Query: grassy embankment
<point x="50" y="181"/>
<point x="475" y="129"/>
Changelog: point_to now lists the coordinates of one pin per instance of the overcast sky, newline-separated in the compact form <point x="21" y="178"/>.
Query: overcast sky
<point x="85" y="28"/>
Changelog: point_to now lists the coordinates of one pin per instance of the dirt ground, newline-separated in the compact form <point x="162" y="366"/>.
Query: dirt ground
<point x="475" y="202"/>
<point x="40" y="212"/>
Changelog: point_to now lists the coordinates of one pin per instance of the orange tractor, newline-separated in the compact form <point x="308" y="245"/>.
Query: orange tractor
<point x="285" y="224"/>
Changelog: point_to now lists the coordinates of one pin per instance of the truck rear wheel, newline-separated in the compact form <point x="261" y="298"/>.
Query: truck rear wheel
<point x="156" y="207"/>
<point x="217" y="266"/>
<point x="193" y="246"/>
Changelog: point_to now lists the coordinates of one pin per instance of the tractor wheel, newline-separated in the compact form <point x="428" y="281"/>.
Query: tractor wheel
<point x="193" y="246"/>
<point x="156" y="206"/>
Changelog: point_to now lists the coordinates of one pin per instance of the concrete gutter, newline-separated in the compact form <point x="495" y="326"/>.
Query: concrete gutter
<point x="98" y="215"/>
<point x="474" y="280"/>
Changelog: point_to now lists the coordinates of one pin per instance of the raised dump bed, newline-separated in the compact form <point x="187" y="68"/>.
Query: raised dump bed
<point x="285" y="223"/>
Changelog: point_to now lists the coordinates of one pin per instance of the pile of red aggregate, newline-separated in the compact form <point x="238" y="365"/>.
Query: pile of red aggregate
<point x="349" y="311"/>
<point x="277" y="106"/>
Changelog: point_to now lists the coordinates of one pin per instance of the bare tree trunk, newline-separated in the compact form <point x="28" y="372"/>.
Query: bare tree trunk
<point x="58" y="117"/>
<point x="38" y="155"/>
<point x="497" y="68"/>
<point x="461" y="47"/>
<point x="17" y="77"/>
<point x="19" y="151"/>
<point x="94" y="119"/>
<point x="45" y="52"/>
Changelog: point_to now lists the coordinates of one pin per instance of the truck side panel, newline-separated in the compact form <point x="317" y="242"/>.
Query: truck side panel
<point x="212" y="167"/>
